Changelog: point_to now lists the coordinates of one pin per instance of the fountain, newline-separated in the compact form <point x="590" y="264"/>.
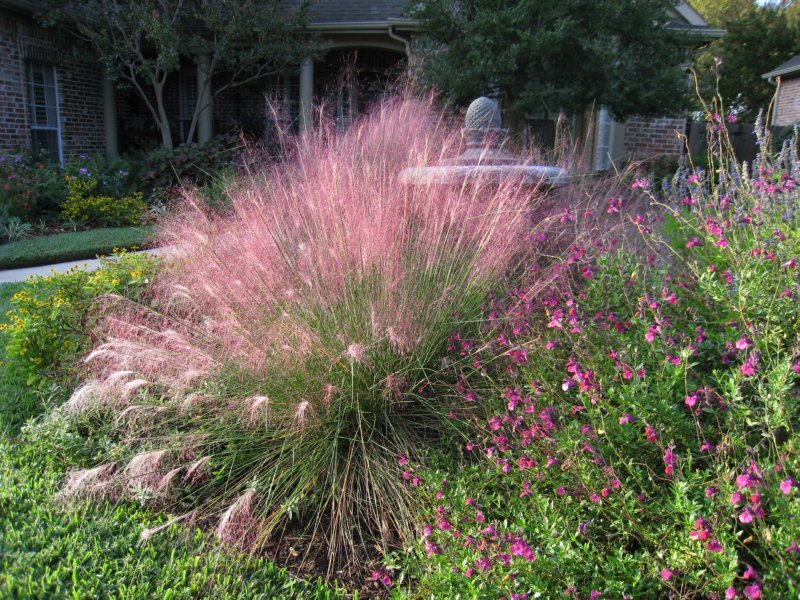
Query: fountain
<point x="484" y="159"/>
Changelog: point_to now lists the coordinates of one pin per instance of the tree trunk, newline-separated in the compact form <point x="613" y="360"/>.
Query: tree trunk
<point x="163" y="120"/>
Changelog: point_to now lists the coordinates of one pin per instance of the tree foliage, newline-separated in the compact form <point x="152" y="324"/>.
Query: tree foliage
<point x="142" y="43"/>
<point x="758" y="39"/>
<point x="719" y="12"/>
<point x="551" y="55"/>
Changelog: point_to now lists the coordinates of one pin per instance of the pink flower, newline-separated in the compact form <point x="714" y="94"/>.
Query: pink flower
<point x="714" y="546"/>
<point x="711" y="492"/>
<point x="650" y="434"/>
<point x="707" y="446"/>
<point x="625" y="419"/>
<point x="666" y="574"/>
<point x="640" y="183"/>
<point x="749" y="367"/>
<point x="746" y="516"/>
<point x="693" y="242"/>
<point x="753" y="591"/>
<point x="731" y="593"/>
<point x="743" y="343"/>
<point x="787" y="484"/>
<point x="670" y="460"/>
<point x="750" y="573"/>
<point x="402" y="460"/>
<point x="792" y="548"/>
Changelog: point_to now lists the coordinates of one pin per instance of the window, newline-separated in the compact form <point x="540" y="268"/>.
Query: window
<point x="43" y="104"/>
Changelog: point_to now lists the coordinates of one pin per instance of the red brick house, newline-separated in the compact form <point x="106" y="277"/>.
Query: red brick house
<point x="69" y="110"/>
<point x="786" y="108"/>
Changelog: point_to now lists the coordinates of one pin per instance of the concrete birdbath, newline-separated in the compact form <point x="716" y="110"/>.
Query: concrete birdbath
<point x="484" y="160"/>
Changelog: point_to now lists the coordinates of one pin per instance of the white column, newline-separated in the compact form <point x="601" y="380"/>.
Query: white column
<point x="306" y="94"/>
<point x="205" y="120"/>
<point x="110" y="118"/>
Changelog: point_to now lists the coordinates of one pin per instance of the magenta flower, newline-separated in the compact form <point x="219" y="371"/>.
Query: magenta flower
<point x="483" y="564"/>
<point x="640" y="183"/>
<point x="787" y="484"/>
<point x="748" y="368"/>
<point x="650" y="434"/>
<point x="750" y="573"/>
<point x="731" y="593"/>
<point x="626" y="418"/>
<point x="714" y="546"/>
<point x="707" y="446"/>
<point x="792" y="548"/>
<point x="752" y="591"/>
<point x="746" y="516"/>
<point x="743" y="343"/>
<point x="518" y="547"/>
<point x="595" y="595"/>
<point x="695" y="241"/>
<point x="670" y="460"/>
<point x="666" y="574"/>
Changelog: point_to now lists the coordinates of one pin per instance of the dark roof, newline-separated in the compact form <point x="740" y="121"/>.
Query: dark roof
<point x="790" y="67"/>
<point x="353" y="11"/>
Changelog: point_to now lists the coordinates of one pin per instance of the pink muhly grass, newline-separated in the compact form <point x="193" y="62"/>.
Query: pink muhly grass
<point x="93" y="483"/>
<point x="330" y="288"/>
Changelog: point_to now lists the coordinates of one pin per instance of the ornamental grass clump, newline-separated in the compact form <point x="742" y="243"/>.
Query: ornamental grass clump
<point x="293" y="347"/>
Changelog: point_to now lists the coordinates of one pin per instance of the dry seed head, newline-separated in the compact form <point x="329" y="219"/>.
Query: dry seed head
<point x="144" y="471"/>
<point x="97" y="482"/>
<point x="238" y="522"/>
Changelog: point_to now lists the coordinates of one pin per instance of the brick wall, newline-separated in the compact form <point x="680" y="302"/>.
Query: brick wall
<point x="79" y="88"/>
<point x="14" y="132"/>
<point x="645" y="138"/>
<point x="788" y="109"/>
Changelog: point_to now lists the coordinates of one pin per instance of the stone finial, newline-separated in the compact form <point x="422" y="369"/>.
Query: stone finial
<point x="482" y="121"/>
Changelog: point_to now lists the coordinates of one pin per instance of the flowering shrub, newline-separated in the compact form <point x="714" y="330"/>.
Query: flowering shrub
<point x="33" y="187"/>
<point x="46" y="331"/>
<point x="294" y="347"/>
<point x="640" y="440"/>
<point x="87" y="205"/>
<point x="29" y="186"/>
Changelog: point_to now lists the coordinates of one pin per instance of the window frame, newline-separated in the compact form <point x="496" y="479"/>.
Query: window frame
<point x="32" y="126"/>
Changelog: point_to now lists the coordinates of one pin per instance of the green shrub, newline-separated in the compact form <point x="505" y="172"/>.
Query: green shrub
<point x="196" y="164"/>
<point x="49" y="325"/>
<point x="86" y="204"/>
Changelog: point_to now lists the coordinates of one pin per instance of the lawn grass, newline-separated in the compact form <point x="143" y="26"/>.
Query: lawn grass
<point x="92" y="550"/>
<point x="78" y="245"/>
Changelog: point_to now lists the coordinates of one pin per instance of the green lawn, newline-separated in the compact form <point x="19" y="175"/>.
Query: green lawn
<point x="79" y="245"/>
<point x="92" y="550"/>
